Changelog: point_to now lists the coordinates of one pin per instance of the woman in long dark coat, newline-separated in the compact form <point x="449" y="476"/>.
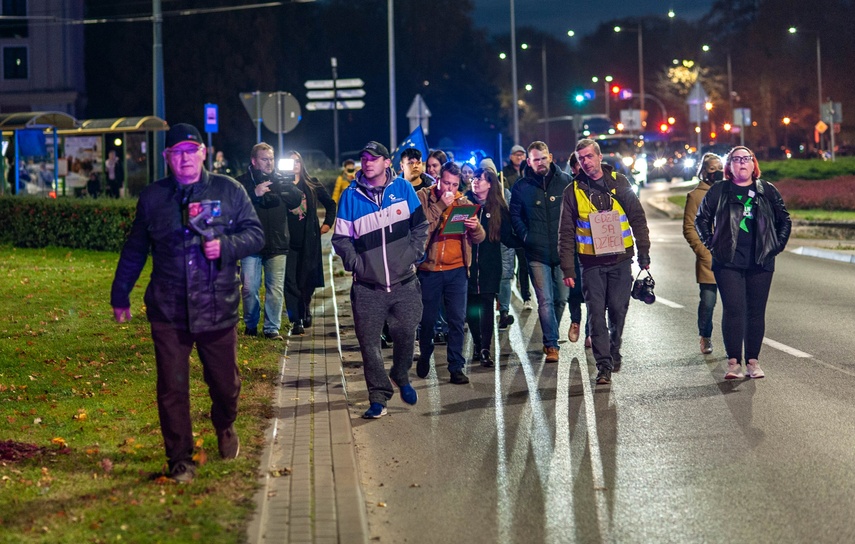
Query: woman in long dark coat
<point x="304" y="267"/>
<point x="485" y="272"/>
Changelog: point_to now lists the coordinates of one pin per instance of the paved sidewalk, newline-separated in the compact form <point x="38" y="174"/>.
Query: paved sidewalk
<point x="310" y="485"/>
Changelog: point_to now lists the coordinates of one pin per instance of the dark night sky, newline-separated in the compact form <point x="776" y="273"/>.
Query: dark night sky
<point x="583" y="16"/>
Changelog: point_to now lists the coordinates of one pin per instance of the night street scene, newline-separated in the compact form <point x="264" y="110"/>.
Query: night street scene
<point x="427" y="271"/>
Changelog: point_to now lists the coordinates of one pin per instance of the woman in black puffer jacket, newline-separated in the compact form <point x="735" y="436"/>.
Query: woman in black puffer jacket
<point x="485" y="272"/>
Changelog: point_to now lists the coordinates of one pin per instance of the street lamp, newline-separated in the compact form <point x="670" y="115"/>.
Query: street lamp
<point x="516" y="107"/>
<point x="793" y="30"/>
<point x="525" y="46"/>
<point x="640" y="69"/>
<point x="786" y="121"/>
<point x="706" y="49"/>
<point x="606" y="81"/>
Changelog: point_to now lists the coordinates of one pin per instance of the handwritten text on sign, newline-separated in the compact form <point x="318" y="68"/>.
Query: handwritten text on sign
<point x="606" y="232"/>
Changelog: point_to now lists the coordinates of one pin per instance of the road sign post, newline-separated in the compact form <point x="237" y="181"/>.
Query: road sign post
<point x="211" y="126"/>
<point x="334" y="94"/>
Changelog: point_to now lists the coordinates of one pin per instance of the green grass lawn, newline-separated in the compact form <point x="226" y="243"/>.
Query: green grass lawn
<point x="80" y="388"/>
<point x="803" y="215"/>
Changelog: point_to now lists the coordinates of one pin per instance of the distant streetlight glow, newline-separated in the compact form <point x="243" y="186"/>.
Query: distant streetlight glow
<point x="671" y="14"/>
<point x="523" y="46"/>
<point x="528" y="87"/>
<point x="571" y="33"/>
<point x="503" y="56"/>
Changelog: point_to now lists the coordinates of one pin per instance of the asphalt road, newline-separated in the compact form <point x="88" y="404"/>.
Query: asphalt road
<point x="669" y="452"/>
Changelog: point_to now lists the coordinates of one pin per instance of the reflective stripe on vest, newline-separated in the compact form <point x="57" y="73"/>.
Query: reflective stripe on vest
<point x="584" y="239"/>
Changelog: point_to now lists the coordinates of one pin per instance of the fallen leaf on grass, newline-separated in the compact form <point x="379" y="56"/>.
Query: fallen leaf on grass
<point x="107" y="465"/>
<point x="59" y="441"/>
<point x="200" y="457"/>
<point x="381" y="504"/>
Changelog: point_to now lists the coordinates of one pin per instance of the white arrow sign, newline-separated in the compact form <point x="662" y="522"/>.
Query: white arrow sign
<point x="342" y="105"/>
<point x="342" y="93"/>
<point x="339" y="83"/>
<point x="419" y="114"/>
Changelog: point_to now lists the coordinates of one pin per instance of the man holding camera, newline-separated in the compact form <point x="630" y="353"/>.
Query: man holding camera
<point x="600" y="215"/>
<point x="196" y="225"/>
<point x="272" y="195"/>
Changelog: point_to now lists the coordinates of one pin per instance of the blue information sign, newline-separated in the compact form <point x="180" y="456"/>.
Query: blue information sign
<point x="211" y="118"/>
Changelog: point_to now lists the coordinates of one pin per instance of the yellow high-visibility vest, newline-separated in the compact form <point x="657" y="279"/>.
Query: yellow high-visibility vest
<point x="584" y="240"/>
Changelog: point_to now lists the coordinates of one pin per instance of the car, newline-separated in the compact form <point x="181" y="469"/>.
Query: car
<point x="671" y="160"/>
<point x="630" y="151"/>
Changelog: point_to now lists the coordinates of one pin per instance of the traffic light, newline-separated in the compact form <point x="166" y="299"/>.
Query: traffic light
<point x="579" y="98"/>
<point x="663" y="128"/>
<point x="615" y="90"/>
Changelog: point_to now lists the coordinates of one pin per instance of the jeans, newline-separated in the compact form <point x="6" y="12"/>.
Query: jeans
<point x="743" y="299"/>
<point x="274" y="280"/>
<point x="706" y="306"/>
<point x="551" y="298"/>
<point x="507" y="276"/>
<point x="450" y="287"/>
<point x="607" y="289"/>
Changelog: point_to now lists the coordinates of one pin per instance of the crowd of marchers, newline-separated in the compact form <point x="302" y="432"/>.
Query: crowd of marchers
<point x="431" y="250"/>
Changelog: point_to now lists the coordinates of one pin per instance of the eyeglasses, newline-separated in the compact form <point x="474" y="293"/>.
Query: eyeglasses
<point x="742" y="159"/>
<point x="185" y="152"/>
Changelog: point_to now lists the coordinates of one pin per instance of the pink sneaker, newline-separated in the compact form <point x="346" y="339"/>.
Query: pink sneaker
<point x="752" y="368"/>
<point x="734" y="370"/>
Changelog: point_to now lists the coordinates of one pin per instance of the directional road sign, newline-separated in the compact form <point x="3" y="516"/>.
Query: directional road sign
<point x="342" y="93"/>
<point x="346" y="83"/>
<point x="342" y="105"/>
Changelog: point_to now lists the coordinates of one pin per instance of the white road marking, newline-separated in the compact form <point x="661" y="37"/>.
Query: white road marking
<point x="668" y="303"/>
<point x="786" y="349"/>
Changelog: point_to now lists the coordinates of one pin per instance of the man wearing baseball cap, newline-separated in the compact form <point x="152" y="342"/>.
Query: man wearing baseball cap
<point x="380" y="235"/>
<point x="197" y="226"/>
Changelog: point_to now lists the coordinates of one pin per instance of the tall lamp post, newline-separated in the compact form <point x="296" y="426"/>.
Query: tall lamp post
<point x="786" y="121"/>
<point x="525" y="46"/>
<point x="606" y="81"/>
<point x="640" y="69"/>
<point x="516" y="106"/>
<point x="793" y="30"/>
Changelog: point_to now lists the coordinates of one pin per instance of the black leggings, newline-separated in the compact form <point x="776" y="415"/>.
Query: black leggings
<point x="743" y="298"/>
<point x="480" y="316"/>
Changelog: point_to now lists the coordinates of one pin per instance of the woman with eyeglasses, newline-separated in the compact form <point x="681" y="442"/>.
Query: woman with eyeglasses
<point x="744" y="223"/>
<point x="485" y="272"/>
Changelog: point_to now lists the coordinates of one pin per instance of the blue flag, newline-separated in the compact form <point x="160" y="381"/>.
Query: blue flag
<point x="415" y="139"/>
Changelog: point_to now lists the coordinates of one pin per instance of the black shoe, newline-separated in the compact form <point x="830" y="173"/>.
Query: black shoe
<point x="505" y="321"/>
<point x="297" y="328"/>
<point x="183" y="472"/>
<point x="458" y="377"/>
<point x="439" y="339"/>
<point x="307" y="321"/>
<point x="486" y="360"/>
<point x="616" y="362"/>
<point x="604" y="377"/>
<point x="228" y="443"/>
<point x="476" y="354"/>
<point x="423" y="367"/>
<point x="250" y="332"/>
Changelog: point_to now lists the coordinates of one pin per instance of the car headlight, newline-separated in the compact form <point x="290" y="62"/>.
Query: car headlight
<point x="641" y="166"/>
<point x="660" y="162"/>
<point x="689" y="163"/>
<point x="627" y="161"/>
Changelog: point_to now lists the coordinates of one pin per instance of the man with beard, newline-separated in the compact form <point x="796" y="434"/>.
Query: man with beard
<point x="272" y="196"/>
<point x="598" y="193"/>
<point x="535" y="213"/>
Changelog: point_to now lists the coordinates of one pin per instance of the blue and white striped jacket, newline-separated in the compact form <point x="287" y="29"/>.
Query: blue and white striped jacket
<point x="380" y="243"/>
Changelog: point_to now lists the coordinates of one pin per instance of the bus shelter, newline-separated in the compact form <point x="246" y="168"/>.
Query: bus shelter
<point x="29" y="142"/>
<point x="113" y="155"/>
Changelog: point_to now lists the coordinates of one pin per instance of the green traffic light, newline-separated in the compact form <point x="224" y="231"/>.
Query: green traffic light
<point x="580" y="98"/>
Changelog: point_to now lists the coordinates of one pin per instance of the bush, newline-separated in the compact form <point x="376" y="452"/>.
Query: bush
<point x="35" y="222"/>
<point x="807" y="169"/>
<point x="831" y="194"/>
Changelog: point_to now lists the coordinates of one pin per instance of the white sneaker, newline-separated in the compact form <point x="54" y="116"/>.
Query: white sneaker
<point x="734" y="370"/>
<point x="753" y="370"/>
<point x="527" y="306"/>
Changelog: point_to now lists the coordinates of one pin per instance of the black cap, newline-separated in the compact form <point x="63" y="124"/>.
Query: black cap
<point x="182" y="132"/>
<point x="376" y="149"/>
